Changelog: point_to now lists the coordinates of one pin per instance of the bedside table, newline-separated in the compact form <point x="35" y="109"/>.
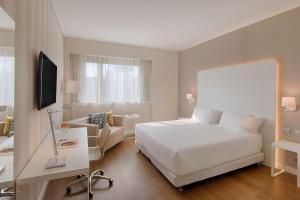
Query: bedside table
<point x="130" y="121"/>
<point x="288" y="146"/>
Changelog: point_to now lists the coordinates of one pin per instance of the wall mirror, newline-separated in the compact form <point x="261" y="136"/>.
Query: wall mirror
<point x="7" y="69"/>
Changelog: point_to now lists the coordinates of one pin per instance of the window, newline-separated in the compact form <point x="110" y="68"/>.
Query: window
<point x="90" y="83"/>
<point x="7" y="65"/>
<point x="107" y="80"/>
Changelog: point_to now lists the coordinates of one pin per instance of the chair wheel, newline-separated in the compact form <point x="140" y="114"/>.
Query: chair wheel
<point x="91" y="194"/>
<point x="69" y="190"/>
<point x="111" y="182"/>
<point x="101" y="172"/>
<point x="78" y="176"/>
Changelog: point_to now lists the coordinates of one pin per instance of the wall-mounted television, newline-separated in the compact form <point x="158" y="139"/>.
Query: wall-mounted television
<point x="47" y="81"/>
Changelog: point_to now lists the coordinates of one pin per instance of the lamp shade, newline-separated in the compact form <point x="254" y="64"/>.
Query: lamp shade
<point x="189" y="96"/>
<point x="3" y="108"/>
<point x="73" y="87"/>
<point x="289" y="103"/>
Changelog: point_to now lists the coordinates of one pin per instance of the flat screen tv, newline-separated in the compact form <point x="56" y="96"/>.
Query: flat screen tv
<point x="47" y="78"/>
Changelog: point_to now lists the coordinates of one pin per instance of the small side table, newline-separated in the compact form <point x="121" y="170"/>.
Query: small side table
<point x="130" y="121"/>
<point x="288" y="146"/>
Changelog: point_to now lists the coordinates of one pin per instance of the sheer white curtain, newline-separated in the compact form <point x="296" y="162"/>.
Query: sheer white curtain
<point x="108" y="80"/>
<point x="7" y="68"/>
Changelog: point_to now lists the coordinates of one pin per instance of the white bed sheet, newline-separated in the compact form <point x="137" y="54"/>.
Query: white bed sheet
<point x="185" y="146"/>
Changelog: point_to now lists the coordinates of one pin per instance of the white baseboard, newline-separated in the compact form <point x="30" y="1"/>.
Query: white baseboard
<point x="42" y="194"/>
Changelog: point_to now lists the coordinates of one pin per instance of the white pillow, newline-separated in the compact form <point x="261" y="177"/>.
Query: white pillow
<point x="236" y="122"/>
<point x="203" y="115"/>
<point x="254" y="124"/>
<point x="217" y="117"/>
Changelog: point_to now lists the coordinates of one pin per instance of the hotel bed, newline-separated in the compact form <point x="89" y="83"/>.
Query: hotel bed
<point x="186" y="151"/>
<point x="233" y="127"/>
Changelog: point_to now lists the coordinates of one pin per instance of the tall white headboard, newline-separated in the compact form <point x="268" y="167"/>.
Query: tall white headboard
<point x="246" y="89"/>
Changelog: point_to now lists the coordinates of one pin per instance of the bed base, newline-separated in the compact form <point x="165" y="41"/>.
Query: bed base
<point x="179" y="181"/>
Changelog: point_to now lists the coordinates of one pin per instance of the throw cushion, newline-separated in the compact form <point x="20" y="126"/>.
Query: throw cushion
<point x="110" y="118"/>
<point x="8" y="123"/>
<point x="98" y="118"/>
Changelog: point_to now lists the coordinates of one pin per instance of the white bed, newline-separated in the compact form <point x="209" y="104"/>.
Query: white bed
<point x="186" y="152"/>
<point x="185" y="147"/>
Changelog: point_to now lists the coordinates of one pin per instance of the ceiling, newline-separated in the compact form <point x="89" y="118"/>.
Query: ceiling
<point x="6" y="22"/>
<point x="163" y="24"/>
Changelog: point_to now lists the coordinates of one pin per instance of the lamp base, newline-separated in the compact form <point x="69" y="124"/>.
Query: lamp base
<point x="56" y="162"/>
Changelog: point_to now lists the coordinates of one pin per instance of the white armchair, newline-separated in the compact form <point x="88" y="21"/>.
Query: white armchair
<point x="116" y="135"/>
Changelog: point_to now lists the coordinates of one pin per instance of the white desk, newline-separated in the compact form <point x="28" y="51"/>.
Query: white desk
<point x="7" y="176"/>
<point x="77" y="159"/>
<point x="7" y="160"/>
<point x="288" y="146"/>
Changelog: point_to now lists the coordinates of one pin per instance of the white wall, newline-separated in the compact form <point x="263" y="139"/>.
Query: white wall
<point x="37" y="29"/>
<point x="164" y="83"/>
<point x="10" y="7"/>
<point x="7" y="38"/>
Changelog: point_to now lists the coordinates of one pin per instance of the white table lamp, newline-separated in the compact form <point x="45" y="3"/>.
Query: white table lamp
<point x="289" y="103"/>
<point x="73" y="87"/>
<point x="3" y="108"/>
<point x="57" y="161"/>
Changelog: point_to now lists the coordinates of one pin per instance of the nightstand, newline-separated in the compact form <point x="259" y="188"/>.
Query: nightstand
<point x="130" y="121"/>
<point x="288" y="146"/>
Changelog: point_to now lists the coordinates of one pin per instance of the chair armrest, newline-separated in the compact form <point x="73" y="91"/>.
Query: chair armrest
<point x="83" y="120"/>
<point x="92" y="129"/>
<point x="92" y="141"/>
<point x="118" y="120"/>
<point x="1" y="127"/>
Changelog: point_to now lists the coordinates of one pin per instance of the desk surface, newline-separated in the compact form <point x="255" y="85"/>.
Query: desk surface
<point x="287" y="145"/>
<point x="7" y="160"/>
<point x="6" y="177"/>
<point x="77" y="159"/>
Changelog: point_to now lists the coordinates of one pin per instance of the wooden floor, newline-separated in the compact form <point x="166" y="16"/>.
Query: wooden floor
<point x="135" y="178"/>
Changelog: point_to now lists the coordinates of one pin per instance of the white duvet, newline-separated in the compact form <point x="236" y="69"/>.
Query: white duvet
<point x="185" y="146"/>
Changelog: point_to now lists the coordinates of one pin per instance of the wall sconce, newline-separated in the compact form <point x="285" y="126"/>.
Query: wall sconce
<point x="289" y="103"/>
<point x="190" y="97"/>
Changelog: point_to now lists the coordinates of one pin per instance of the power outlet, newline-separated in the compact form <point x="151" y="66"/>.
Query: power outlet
<point x="286" y="130"/>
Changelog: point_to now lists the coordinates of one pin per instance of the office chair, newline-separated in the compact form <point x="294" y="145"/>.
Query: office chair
<point x="96" y="152"/>
<point x="7" y="192"/>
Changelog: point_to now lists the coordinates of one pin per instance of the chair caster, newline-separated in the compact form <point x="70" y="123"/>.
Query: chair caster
<point x="179" y="189"/>
<point x="111" y="182"/>
<point x="101" y="172"/>
<point x="91" y="194"/>
<point x="78" y="176"/>
<point x="69" y="190"/>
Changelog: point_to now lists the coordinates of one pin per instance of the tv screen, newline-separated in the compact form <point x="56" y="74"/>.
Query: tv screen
<point x="47" y="78"/>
